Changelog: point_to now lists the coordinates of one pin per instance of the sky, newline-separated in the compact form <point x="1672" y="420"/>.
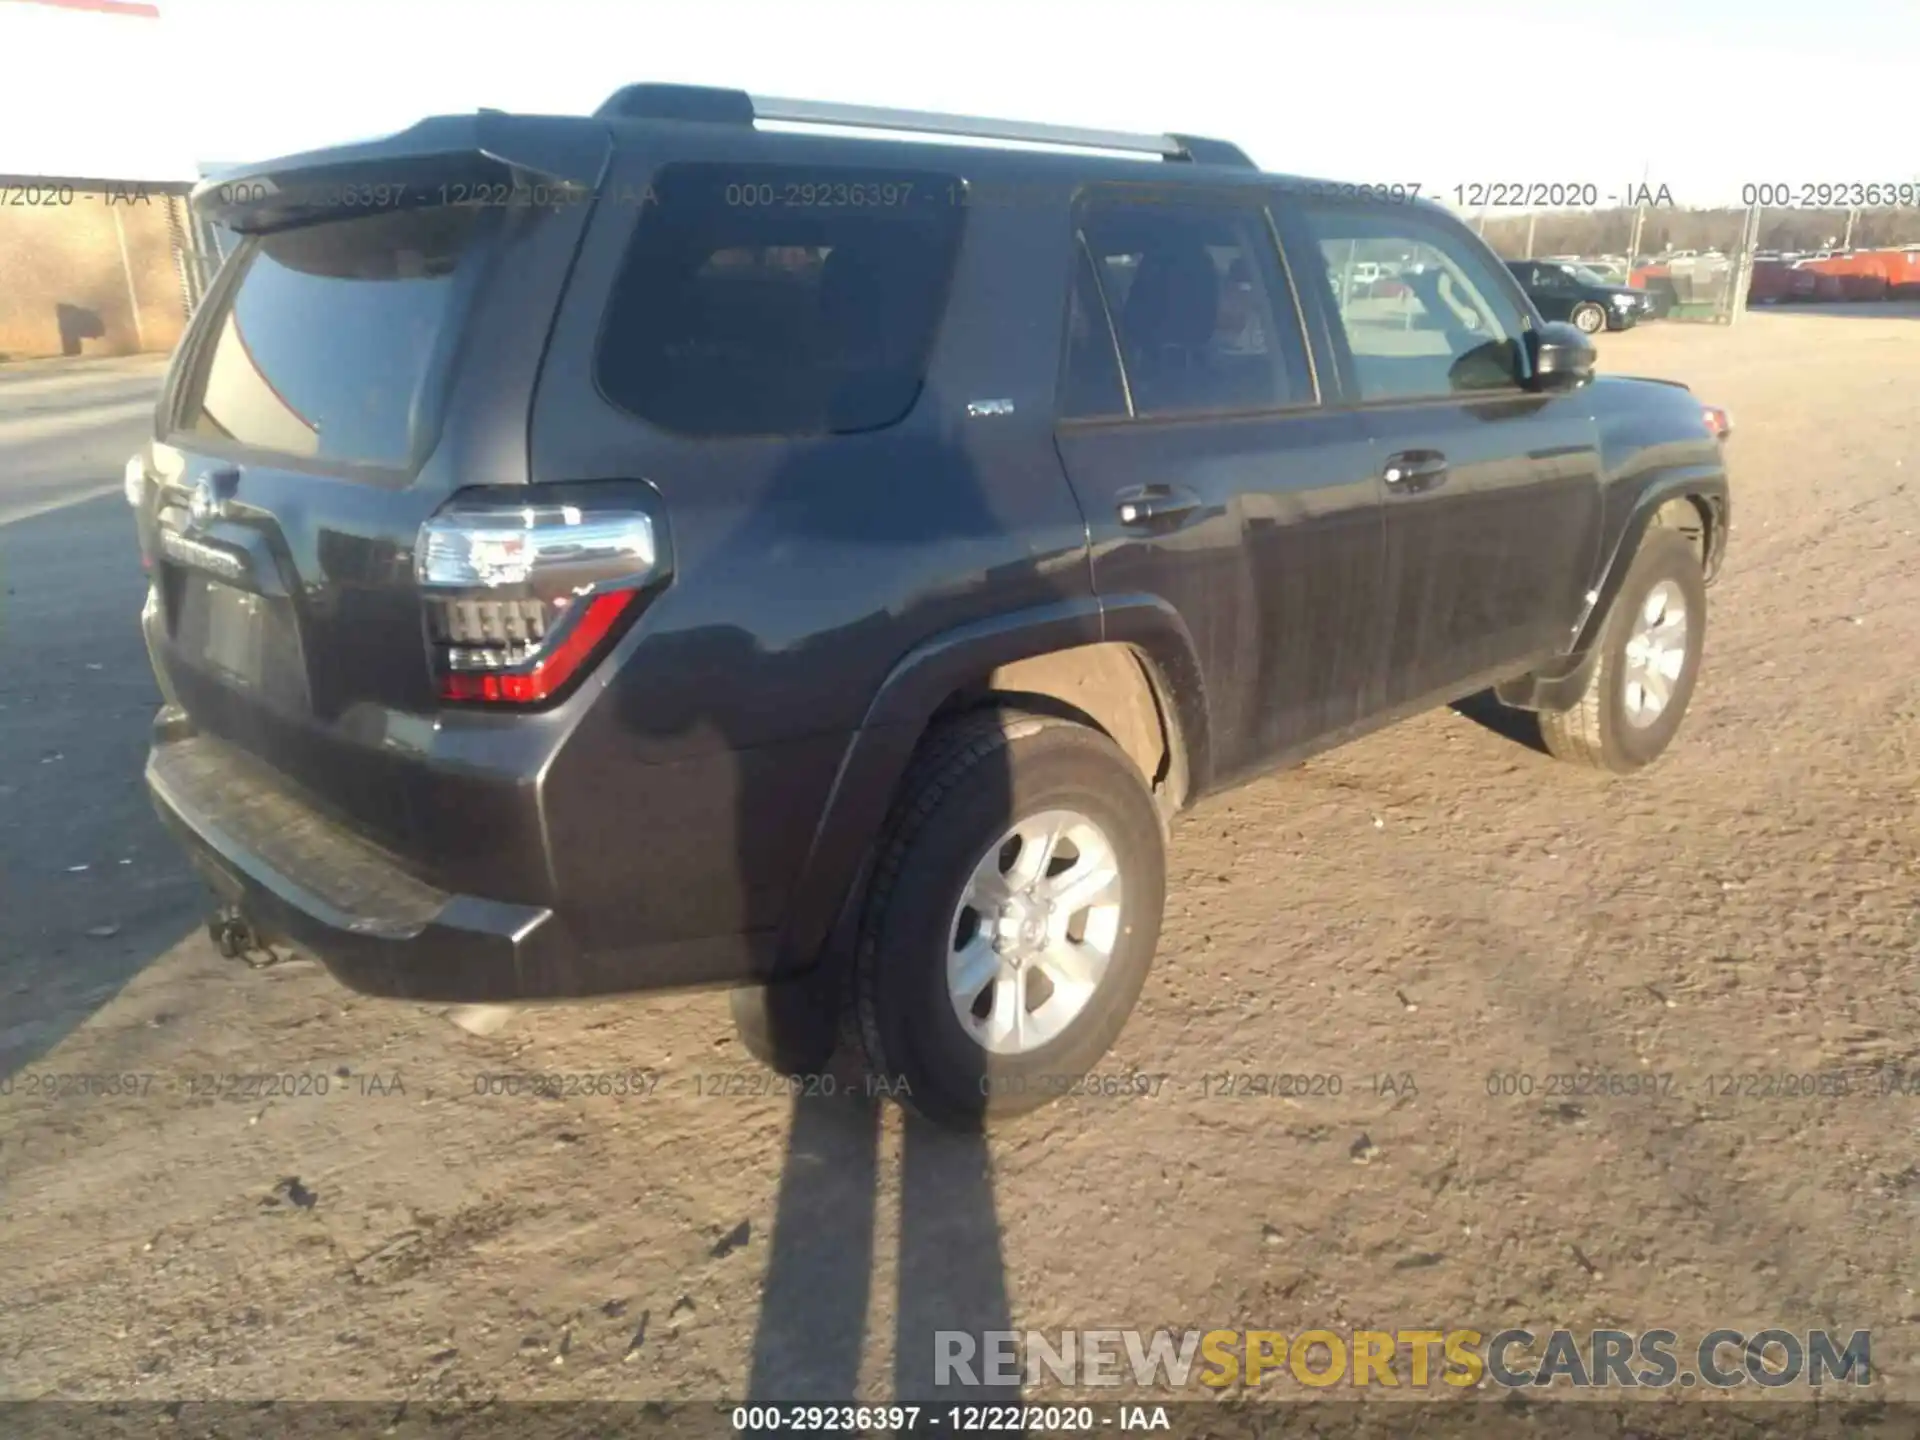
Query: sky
<point x="1702" y="96"/>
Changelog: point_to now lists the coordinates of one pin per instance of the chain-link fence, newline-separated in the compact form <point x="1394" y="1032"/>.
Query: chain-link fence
<point x="1709" y="265"/>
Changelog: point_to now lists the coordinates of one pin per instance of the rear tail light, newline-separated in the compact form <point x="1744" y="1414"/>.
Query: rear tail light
<point x="1718" y="422"/>
<point x="520" y="599"/>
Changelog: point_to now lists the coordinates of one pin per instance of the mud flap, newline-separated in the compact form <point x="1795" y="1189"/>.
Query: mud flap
<point x="1555" y="687"/>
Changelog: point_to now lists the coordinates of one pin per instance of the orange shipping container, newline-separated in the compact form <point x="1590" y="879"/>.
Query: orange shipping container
<point x="1903" y="272"/>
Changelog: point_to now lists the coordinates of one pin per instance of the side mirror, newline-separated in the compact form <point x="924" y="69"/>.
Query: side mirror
<point x="1562" y="357"/>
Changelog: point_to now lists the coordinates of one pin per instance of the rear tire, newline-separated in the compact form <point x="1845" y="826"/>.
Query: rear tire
<point x="1616" y="725"/>
<point x="955" y="838"/>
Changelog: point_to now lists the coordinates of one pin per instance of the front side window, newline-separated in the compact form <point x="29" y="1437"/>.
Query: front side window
<point x="1202" y="310"/>
<point x="767" y="300"/>
<point x="1441" y="326"/>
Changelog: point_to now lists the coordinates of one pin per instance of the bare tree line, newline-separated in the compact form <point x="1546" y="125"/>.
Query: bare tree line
<point x="1608" y="232"/>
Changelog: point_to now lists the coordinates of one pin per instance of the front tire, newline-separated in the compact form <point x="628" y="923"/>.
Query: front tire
<point x="1013" y="913"/>
<point x="1649" y="658"/>
<point x="1588" y="318"/>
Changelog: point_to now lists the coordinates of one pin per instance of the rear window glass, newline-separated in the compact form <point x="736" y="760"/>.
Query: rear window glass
<point x="337" y="336"/>
<point x="768" y="300"/>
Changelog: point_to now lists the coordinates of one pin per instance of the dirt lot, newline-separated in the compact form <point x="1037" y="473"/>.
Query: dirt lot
<point x="1438" y="905"/>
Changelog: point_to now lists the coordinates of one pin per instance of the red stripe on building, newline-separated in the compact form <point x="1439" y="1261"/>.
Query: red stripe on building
<point x="102" y="7"/>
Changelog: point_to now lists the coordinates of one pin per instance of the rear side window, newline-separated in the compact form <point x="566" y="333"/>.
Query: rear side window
<point x="1205" y="319"/>
<point x="336" y="339"/>
<point x="767" y="300"/>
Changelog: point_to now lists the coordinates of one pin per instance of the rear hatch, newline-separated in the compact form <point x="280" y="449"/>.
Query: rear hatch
<point x="309" y="430"/>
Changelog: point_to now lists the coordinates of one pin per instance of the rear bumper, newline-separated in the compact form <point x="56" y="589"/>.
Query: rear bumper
<point x="299" y="878"/>
<point x="302" y="879"/>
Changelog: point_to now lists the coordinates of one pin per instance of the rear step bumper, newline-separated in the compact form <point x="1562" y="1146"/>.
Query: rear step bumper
<point x="301" y="878"/>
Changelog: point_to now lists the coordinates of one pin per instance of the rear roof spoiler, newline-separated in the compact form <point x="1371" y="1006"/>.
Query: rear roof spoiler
<point x="564" y="152"/>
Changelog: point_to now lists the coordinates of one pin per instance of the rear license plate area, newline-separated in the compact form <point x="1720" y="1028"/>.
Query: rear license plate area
<point x="246" y="640"/>
<point x="234" y="634"/>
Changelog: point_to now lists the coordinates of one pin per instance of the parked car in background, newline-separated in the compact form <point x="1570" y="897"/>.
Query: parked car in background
<point x="1362" y="276"/>
<point x="1580" y="296"/>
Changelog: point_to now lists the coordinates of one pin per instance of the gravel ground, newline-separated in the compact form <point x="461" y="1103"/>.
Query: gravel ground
<point x="1418" y="915"/>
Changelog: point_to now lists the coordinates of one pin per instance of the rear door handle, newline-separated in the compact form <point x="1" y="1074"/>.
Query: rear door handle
<point x="1152" y="505"/>
<point x="1412" y="472"/>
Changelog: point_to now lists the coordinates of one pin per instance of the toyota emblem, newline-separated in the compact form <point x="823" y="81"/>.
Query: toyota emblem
<point x="203" y="505"/>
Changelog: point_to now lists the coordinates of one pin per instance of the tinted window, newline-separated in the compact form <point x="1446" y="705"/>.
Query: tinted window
<point x="1204" y="316"/>
<point x="1441" y="325"/>
<point x="337" y="334"/>
<point x="762" y="300"/>
<point x="1092" y="384"/>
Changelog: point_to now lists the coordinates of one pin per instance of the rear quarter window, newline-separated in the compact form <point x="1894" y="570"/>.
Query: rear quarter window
<point x="770" y="300"/>
<point x="335" y="338"/>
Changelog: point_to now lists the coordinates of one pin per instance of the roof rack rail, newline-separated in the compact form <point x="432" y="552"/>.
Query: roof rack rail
<point x="1204" y="151"/>
<point x="713" y="103"/>
<point x="875" y="117"/>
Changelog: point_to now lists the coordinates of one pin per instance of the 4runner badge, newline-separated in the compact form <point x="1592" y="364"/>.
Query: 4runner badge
<point x="978" y="408"/>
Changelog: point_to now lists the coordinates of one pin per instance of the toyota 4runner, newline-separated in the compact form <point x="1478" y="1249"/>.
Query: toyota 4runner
<point x="593" y="555"/>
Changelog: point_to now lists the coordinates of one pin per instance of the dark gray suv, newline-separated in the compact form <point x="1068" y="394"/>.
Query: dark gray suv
<point x="604" y="554"/>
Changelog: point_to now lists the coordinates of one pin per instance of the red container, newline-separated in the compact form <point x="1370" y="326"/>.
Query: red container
<point x="1863" y="287"/>
<point x="1876" y="264"/>
<point x="1897" y="267"/>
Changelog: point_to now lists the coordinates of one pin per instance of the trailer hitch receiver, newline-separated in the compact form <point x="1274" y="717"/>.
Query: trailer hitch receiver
<point x="235" y="938"/>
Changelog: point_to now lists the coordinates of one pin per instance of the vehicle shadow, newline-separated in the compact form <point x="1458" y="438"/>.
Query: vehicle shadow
<point x="92" y="890"/>
<point x="1485" y="710"/>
